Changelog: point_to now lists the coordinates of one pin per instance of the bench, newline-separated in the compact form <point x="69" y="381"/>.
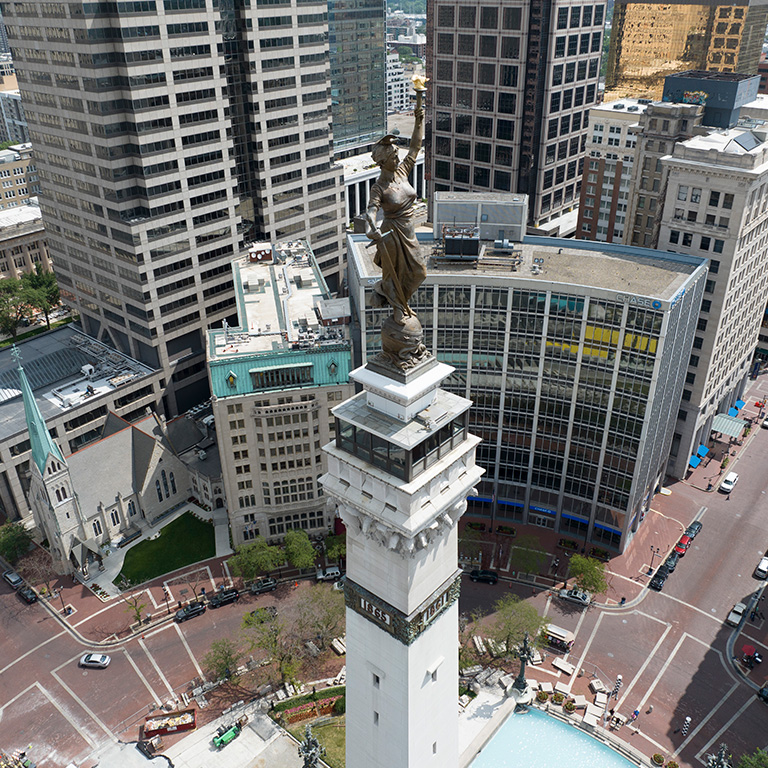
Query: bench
<point x="563" y="665"/>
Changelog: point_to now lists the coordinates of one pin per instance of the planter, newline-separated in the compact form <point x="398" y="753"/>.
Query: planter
<point x="542" y="696"/>
<point x="507" y="530"/>
<point x="558" y="697"/>
<point x="672" y="764"/>
<point x="599" y="554"/>
<point x="569" y="706"/>
<point x="567" y="544"/>
<point x="475" y="526"/>
<point x="657" y="759"/>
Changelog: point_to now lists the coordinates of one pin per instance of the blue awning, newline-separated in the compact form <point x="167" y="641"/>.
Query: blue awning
<point x="733" y="411"/>
<point x="702" y="451"/>
<point x="694" y="461"/>
<point x="740" y="404"/>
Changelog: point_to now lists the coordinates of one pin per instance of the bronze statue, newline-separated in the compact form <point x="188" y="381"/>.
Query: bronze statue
<point x="397" y="251"/>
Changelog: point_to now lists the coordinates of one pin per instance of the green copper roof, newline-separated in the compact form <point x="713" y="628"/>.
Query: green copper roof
<point x="40" y="438"/>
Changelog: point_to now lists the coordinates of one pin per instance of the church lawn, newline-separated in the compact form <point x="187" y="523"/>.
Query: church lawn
<point x="331" y="735"/>
<point x="185" y="541"/>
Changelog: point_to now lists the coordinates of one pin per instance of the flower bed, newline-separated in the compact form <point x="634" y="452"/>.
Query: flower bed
<point x="568" y="544"/>
<point x="310" y="710"/>
<point x="507" y="530"/>
<point x="599" y="553"/>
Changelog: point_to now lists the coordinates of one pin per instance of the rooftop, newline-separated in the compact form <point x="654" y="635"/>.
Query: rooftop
<point x="21" y="215"/>
<point x="622" y="106"/>
<point x="66" y="369"/>
<point x="703" y="74"/>
<point x="554" y="261"/>
<point x="278" y="291"/>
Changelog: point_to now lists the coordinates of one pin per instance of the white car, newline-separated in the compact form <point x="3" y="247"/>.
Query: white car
<point x="729" y="481"/>
<point x="13" y="579"/>
<point x="764" y="424"/>
<point x="761" y="572"/>
<point x="736" y="615"/>
<point x="95" y="661"/>
<point x="576" y="596"/>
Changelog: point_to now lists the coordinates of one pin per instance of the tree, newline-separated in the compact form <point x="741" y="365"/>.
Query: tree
<point x="255" y="559"/>
<point x="468" y="627"/>
<point x="269" y="633"/>
<point x="14" y="305"/>
<point x="758" y="759"/>
<point x="42" y="290"/>
<point x="14" y="541"/>
<point x="527" y="556"/>
<point x="135" y="606"/>
<point x="335" y="546"/>
<point x="299" y="550"/>
<point x="223" y="659"/>
<point x="589" y="573"/>
<point x="321" y="613"/>
<point x="513" y="618"/>
<point x="37" y="568"/>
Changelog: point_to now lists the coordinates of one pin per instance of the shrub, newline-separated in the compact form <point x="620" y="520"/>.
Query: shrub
<point x="672" y="764"/>
<point x="569" y="706"/>
<point x="542" y="696"/>
<point x="558" y="697"/>
<point x="340" y="706"/>
<point x="658" y="759"/>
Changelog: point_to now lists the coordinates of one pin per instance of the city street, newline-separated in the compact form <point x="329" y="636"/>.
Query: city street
<point x="672" y="648"/>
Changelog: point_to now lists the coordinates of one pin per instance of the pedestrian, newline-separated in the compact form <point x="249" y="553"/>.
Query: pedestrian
<point x="623" y="600"/>
<point x="728" y="497"/>
<point x="179" y="604"/>
<point x="649" y="710"/>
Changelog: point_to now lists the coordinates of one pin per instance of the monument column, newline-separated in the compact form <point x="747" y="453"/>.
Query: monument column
<point x="400" y="470"/>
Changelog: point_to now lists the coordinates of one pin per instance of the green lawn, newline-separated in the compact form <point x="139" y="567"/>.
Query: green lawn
<point x="185" y="541"/>
<point x="331" y="736"/>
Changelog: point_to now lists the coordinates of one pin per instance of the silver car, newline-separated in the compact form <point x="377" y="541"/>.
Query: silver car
<point x="95" y="661"/>
<point x="576" y="596"/>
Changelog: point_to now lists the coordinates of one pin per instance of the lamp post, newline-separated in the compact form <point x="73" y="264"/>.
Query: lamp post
<point x="61" y="596"/>
<point x="654" y="552"/>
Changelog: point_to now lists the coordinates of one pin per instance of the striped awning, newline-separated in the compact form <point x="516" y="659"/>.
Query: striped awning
<point x="727" y="424"/>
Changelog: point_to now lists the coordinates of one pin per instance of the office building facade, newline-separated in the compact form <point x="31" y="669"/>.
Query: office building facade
<point x="167" y="134"/>
<point x="571" y="352"/>
<point x="650" y="40"/>
<point x="511" y="86"/>
<point x="22" y="241"/>
<point x="274" y="379"/>
<point x="13" y="125"/>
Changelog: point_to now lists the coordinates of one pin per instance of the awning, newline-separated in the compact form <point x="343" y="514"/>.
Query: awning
<point x="694" y="461"/>
<point x="739" y="404"/>
<point x="702" y="451"/>
<point x="733" y="411"/>
<point x="726" y="424"/>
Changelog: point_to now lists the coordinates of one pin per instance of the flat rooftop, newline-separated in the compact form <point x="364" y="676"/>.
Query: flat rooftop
<point x="703" y="74"/>
<point x="622" y="106"/>
<point x="276" y="296"/>
<point x="555" y="261"/>
<point x="54" y="364"/>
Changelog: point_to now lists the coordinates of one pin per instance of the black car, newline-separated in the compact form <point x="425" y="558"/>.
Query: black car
<point x="189" y="611"/>
<point x="763" y="694"/>
<point x="27" y="594"/>
<point x="694" y="528"/>
<point x="267" y="584"/>
<point x="489" y="577"/>
<point x="223" y="597"/>
<point x="659" y="578"/>
<point x="671" y="562"/>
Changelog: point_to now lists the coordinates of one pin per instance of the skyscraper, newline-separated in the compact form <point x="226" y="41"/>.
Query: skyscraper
<point x="168" y="134"/>
<point x="650" y="40"/>
<point x="358" y="50"/>
<point x="511" y="87"/>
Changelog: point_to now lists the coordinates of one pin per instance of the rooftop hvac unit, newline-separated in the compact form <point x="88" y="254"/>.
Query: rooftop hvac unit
<point x="87" y="370"/>
<point x="201" y="454"/>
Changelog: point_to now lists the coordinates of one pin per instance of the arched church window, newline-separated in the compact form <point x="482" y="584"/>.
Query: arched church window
<point x="131" y="508"/>
<point x="165" y="483"/>
<point x="159" y="491"/>
<point x="173" y="484"/>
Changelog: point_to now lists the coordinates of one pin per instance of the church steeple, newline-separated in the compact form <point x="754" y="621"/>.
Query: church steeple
<point x="43" y="445"/>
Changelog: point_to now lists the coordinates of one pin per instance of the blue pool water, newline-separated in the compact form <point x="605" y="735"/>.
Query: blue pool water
<point x="535" y="740"/>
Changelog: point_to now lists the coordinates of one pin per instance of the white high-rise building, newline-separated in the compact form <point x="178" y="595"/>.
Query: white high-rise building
<point x="398" y="85"/>
<point x="168" y="134"/>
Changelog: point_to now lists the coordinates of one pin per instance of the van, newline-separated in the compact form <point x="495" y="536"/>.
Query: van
<point x="761" y="572"/>
<point x="729" y="481"/>
<point x="558" y="637"/>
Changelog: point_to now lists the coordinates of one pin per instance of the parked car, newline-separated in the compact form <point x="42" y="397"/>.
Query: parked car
<point x="13" y="579"/>
<point x="694" y="529"/>
<point x="736" y="615"/>
<point x="659" y="578"/>
<point x="576" y="596"/>
<point x="682" y="546"/>
<point x="95" y="661"/>
<point x="763" y="694"/>
<point x="189" y="611"/>
<point x="223" y="597"/>
<point x="489" y="577"/>
<point x="331" y="573"/>
<point x="729" y="481"/>
<point x="672" y="561"/>
<point x="761" y="572"/>
<point x="339" y="585"/>
<point x="267" y="584"/>
<point x="27" y="594"/>
<point x="764" y="424"/>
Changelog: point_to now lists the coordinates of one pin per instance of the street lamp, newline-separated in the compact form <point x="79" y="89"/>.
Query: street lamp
<point x="654" y="552"/>
<point x="61" y="596"/>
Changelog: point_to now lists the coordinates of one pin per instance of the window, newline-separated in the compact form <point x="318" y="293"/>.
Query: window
<point x="687" y="239"/>
<point x="714" y="198"/>
<point x="718" y="246"/>
<point x="97" y="529"/>
<point x="376" y="680"/>
<point x="728" y="201"/>
<point x="674" y="236"/>
<point x="682" y="192"/>
<point x="159" y="492"/>
<point x="114" y="517"/>
<point x="695" y="195"/>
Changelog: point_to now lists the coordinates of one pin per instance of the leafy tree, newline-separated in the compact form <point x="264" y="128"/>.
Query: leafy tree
<point x="223" y="659"/>
<point x="468" y="626"/>
<point x="470" y="543"/>
<point x="14" y="541"/>
<point x="14" y="304"/>
<point x="321" y="613"/>
<point x="758" y="759"/>
<point x="299" y="550"/>
<point x="135" y="606"/>
<point x="42" y="291"/>
<point x="589" y="573"/>
<point x="270" y="634"/>
<point x="527" y="556"/>
<point x="336" y="546"/>
<point x="255" y="559"/>
<point x="513" y="618"/>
